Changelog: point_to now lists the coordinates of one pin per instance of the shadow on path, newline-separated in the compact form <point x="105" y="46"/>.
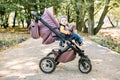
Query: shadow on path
<point x="21" y="63"/>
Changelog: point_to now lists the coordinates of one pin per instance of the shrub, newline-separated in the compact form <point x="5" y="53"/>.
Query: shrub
<point x="106" y="42"/>
<point x="6" y="43"/>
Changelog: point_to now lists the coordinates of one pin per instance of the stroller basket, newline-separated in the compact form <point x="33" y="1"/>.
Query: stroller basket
<point x="67" y="56"/>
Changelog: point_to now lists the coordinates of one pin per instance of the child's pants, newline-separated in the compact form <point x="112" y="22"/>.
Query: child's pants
<point x="74" y="36"/>
<point x="77" y="37"/>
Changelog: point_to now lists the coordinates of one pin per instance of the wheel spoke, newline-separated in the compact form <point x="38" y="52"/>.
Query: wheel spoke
<point x="47" y="65"/>
<point x="84" y="66"/>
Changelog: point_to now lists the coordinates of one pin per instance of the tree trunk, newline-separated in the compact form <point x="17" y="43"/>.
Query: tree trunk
<point x="22" y="23"/>
<point x="85" y="29"/>
<point x="68" y="12"/>
<point x="28" y="21"/>
<point x="111" y="21"/>
<point x="80" y="24"/>
<point x="28" y="18"/>
<point x="100" y="23"/>
<point x="117" y="23"/>
<point x="5" y="23"/>
<point x="91" y="17"/>
<point x="14" y="19"/>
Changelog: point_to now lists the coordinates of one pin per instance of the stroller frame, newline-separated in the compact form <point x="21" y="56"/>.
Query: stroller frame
<point x="48" y="63"/>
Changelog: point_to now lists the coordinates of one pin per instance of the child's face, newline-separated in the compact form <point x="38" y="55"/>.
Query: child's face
<point x="64" y="21"/>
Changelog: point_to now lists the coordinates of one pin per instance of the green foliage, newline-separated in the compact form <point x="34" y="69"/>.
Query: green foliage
<point x="23" y="8"/>
<point x="115" y="9"/>
<point x="106" y="42"/>
<point x="8" y="42"/>
<point x="80" y="11"/>
<point x="12" y="36"/>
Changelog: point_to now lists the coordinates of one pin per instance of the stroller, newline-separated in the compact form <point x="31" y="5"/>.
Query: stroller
<point x="46" y="27"/>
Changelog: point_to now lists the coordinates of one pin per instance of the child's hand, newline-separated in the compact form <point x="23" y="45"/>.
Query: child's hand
<point x="68" y="32"/>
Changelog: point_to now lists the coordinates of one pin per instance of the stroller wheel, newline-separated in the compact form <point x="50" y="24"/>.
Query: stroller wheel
<point x="47" y="65"/>
<point x="84" y="66"/>
<point x="52" y="55"/>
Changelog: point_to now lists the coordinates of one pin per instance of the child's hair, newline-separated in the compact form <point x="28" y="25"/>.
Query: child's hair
<point x="63" y="16"/>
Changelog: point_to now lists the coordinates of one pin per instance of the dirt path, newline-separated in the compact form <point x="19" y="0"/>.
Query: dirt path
<point x="21" y="63"/>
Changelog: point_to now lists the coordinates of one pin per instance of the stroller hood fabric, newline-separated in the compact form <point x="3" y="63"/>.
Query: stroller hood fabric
<point x="47" y="35"/>
<point x="34" y="30"/>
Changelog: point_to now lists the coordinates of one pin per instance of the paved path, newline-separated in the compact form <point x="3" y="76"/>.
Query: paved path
<point x="21" y="63"/>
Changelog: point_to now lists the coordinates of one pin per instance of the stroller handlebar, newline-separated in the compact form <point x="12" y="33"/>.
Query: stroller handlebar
<point x="34" y="13"/>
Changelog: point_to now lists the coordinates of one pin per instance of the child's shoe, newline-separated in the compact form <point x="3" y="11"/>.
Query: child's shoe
<point x="80" y="43"/>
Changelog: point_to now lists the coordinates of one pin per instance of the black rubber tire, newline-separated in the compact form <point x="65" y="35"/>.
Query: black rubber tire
<point x="52" y="56"/>
<point x="84" y="66"/>
<point x="49" y="63"/>
<point x="49" y="54"/>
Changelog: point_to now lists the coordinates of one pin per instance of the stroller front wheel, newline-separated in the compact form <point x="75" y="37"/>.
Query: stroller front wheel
<point x="47" y="65"/>
<point x="84" y="66"/>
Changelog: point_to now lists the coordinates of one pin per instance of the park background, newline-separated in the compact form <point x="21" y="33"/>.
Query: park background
<point x="98" y="20"/>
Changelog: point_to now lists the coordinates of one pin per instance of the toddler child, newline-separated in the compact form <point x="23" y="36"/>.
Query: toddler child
<point x="67" y="31"/>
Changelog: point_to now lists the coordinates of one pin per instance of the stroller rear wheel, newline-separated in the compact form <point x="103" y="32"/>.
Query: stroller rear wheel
<point x="47" y="65"/>
<point x="52" y="55"/>
<point x="84" y="65"/>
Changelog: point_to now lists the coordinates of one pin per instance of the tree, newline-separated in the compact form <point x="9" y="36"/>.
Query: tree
<point x="23" y="8"/>
<point x="113" y="15"/>
<point x="91" y="17"/>
<point x="86" y="10"/>
<point x="80" y="11"/>
<point x="105" y="11"/>
<point x="3" y="19"/>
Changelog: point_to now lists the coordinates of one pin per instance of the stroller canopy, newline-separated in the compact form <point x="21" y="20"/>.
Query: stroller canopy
<point x="45" y="33"/>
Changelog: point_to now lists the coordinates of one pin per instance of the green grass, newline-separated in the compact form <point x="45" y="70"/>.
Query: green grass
<point x="14" y="30"/>
<point x="10" y="42"/>
<point x="106" y="43"/>
<point x="12" y="36"/>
